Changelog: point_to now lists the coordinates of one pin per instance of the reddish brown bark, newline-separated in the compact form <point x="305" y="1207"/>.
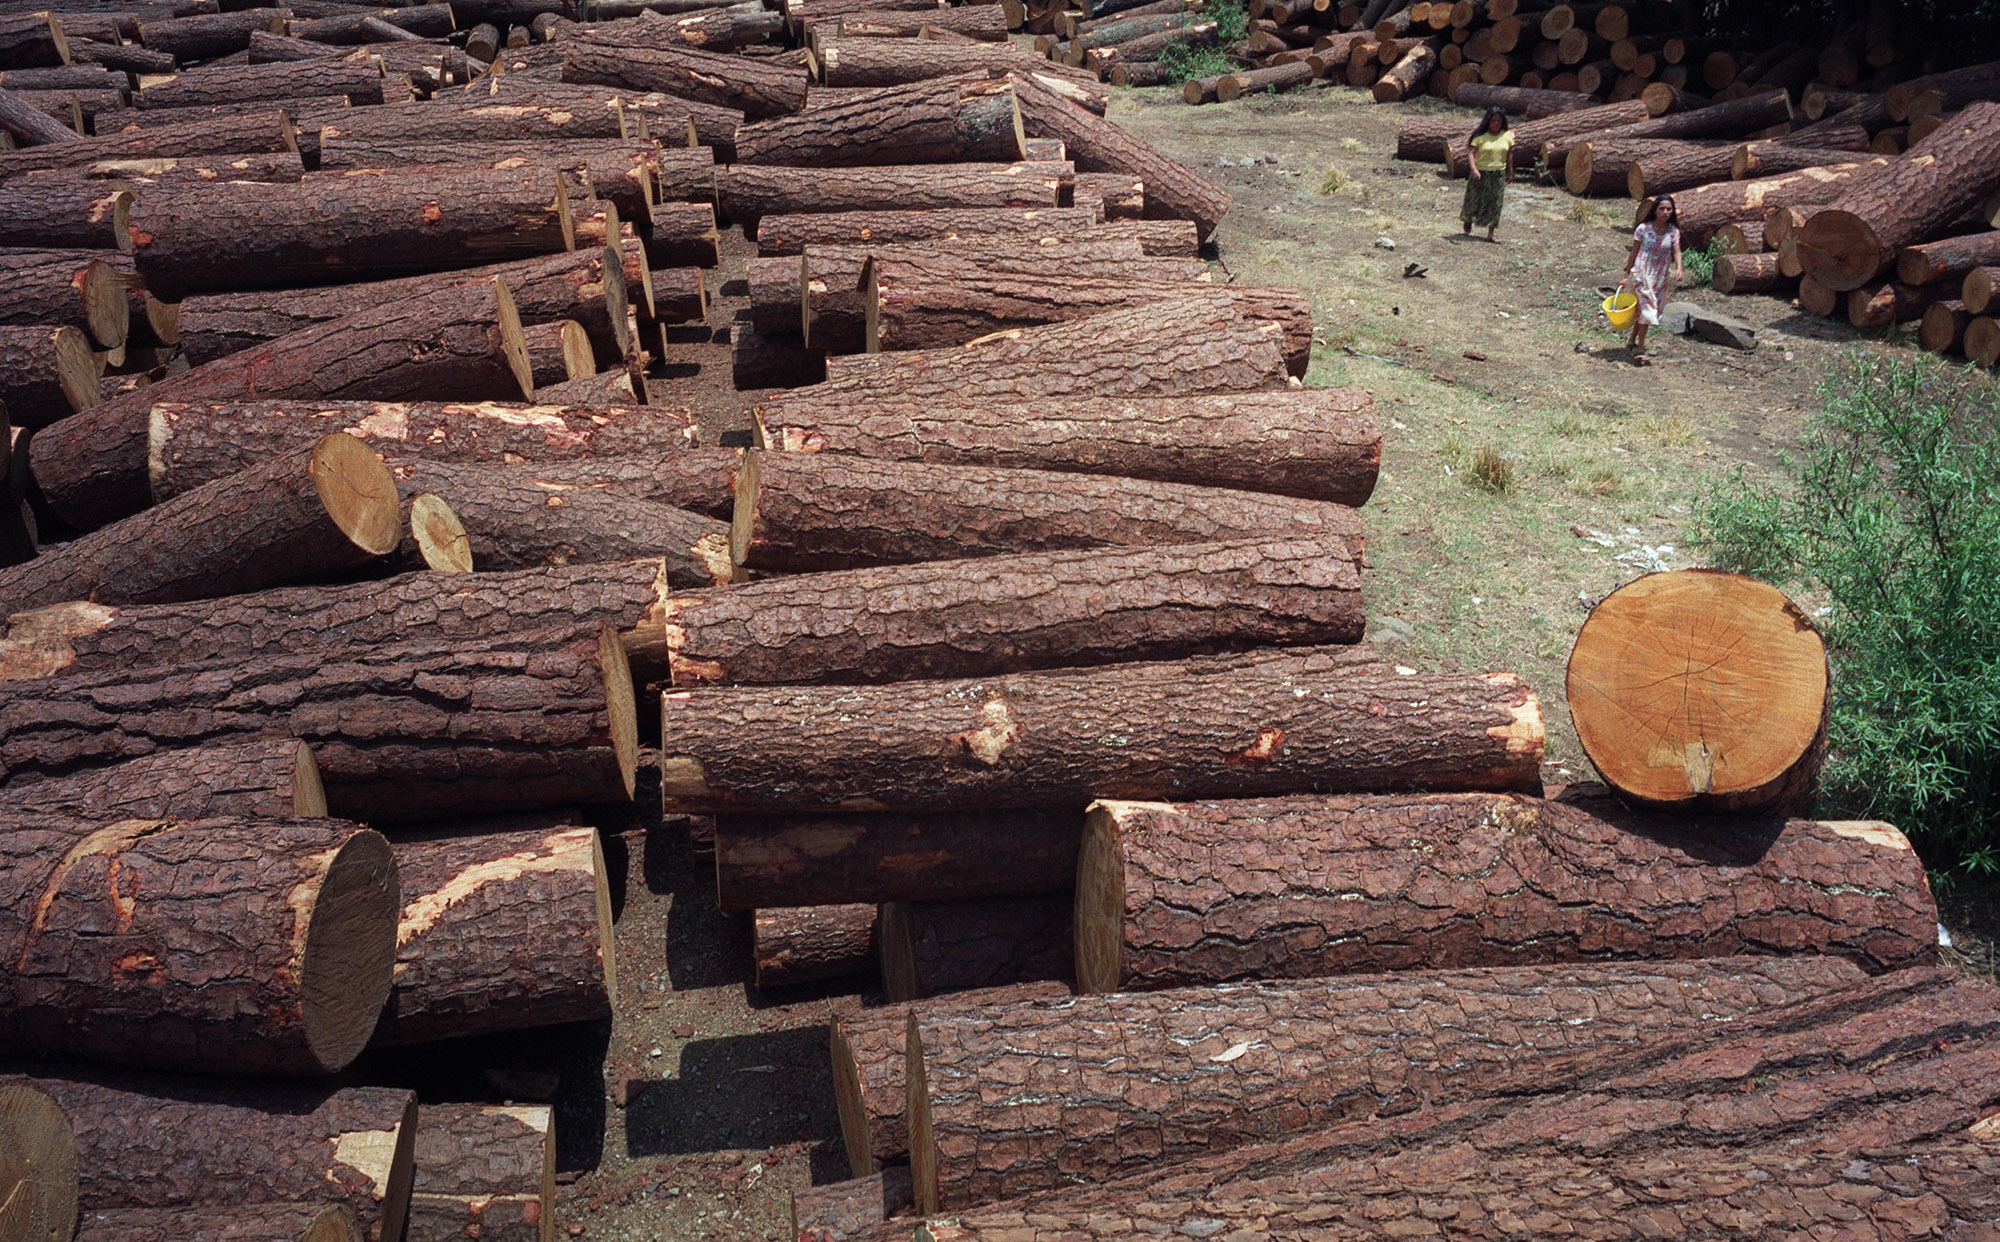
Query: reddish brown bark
<point x="1152" y="913"/>
<point x="227" y="945"/>
<point x="1056" y="739"/>
<point x="74" y="288"/>
<point x="484" y="1171"/>
<point x="359" y="81"/>
<point x="745" y="83"/>
<point x="1890" y="302"/>
<point x="850" y="60"/>
<point x="46" y="374"/>
<point x="771" y="359"/>
<point x="1315" y="443"/>
<point x="606" y="387"/>
<point x="241" y="1222"/>
<point x="808" y="944"/>
<point x="266" y="130"/>
<point x="1519" y="102"/>
<point x="1706" y="208"/>
<point x="781" y="233"/>
<point x="621" y="171"/>
<point x="500" y="931"/>
<point x="941" y="121"/>
<point x="1639" y="166"/>
<point x="1748" y="273"/>
<point x="1948" y="258"/>
<point x="934" y="947"/>
<point x="60" y="212"/>
<point x="746" y="193"/>
<point x="275" y="779"/>
<point x="1532" y="137"/>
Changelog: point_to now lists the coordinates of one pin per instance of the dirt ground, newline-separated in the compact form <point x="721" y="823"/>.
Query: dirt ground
<point x="706" y="1102"/>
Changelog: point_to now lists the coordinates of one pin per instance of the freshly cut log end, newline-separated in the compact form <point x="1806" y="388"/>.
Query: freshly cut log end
<point x="923" y="1145"/>
<point x="1841" y="250"/>
<point x="359" y="493"/>
<point x="440" y="537"/>
<point x="1099" y="931"/>
<point x="855" y="1129"/>
<point x="38" y="1167"/>
<point x="350" y="951"/>
<point x="620" y="704"/>
<point x="743" y="517"/>
<point x="1702" y="690"/>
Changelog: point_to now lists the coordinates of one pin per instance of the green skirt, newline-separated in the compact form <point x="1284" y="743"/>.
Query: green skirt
<point x="1482" y="199"/>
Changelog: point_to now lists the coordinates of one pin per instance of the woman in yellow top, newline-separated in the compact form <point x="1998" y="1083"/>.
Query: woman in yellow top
<point x="1491" y="148"/>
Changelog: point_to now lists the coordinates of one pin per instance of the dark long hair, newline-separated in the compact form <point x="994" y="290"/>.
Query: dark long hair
<point x="1487" y="120"/>
<point x="1653" y="214"/>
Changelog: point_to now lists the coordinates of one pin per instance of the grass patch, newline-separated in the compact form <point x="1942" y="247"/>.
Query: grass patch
<point x="1353" y="144"/>
<point x="1581" y="212"/>
<point x="1670" y="430"/>
<point x="1185" y="61"/>
<point x="1332" y="182"/>
<point x="1490" y="471"/>
<point x="1700" y="264"/>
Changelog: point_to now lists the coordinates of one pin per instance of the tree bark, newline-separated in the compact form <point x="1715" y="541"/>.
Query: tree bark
<point x="1314" y="443"/>
<point x="357" y="225"/>
<point x="603" y="388"/>
<point x="850" y="1210"/>
<point x="242" y="1222"/>
<point x="79" y="215"/>
<point x="144" y="175"/>
<point x="820" y="511"/>
<point x="1731" y="120"/>
<point x="809" y="944"/>
<point x="485" y="1171"/>
<point x="499" y="931"/>
<point x="169" y="1143"/>
<point x="518" y="517"/>
<point x="698" y="480"/>
<point x="847" y="60"/>
<point x="463" y="344"/>
<point x="946" y="121"/>
<point x="1056" y="739"/>
<point x="1943" y="327"/>
<point x="1890" y="302"/>
<point x="37" y="1165"/>
<point x="1173" y="190"/>
<point x="1152" y="913"/>
<point x="744" y="83"/>
<point x="1518" y="102"/>
<point x="1858" y="235"/>
<point x="428" y="21"/>
<point x="934" y="947"/>
<point x="548" y="111"/>
<point x="64" y="288"/>
<point x="312" y="512"/>
<point x="559" y="605"/>
<point x="1640" y="166"/>
<point x="771" y="359"/>
<point x="275" y="779"/>
<point x="1403" y="78"/>
<point x="360" y="82"/>
<point x="782" y="233"/>
<point x="274" y="49"/>
<point x="558" y="352"/>
<point x="1306" y="1055"/>
<point x="266" y="130"/>
<point x="46" y="374"/>
<point x="765" y="861"/>
<point x="1178" y="348"/>
<point x="1981" y="290"/>
<point x="404" y="732"/>
<point x="1954" y="89"/>
<point x="1703" y="691"/>
<point x="1532" y="137"/>
<point x="237" y="946"/>
<point x="1707" y="208"/>
<point x="31" y="122"/>
<point x="620" y="171"/>
<point x="1947" y="259"/>
<point x="985" y="22"/>
<point x="1071" y="608"/>
<point x="1748" y="273"/>
<point x="746" y="193"/>
<point x="1124" y="198"/>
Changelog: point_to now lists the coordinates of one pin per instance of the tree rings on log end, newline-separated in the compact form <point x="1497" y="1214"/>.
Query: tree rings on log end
<point x="441" y="538"/>
<point x="38" y="1169"/>
<point x="854" y="1130"/>
<point x="358" y="492"/>
<point x="743" y="517"/>
<point x="1702" y="690"/>
<point x="923" y="1145"/>
<point x="606" y="943"/>
<point x="308" y="791"/>
<point x="620" y="704"/>
<point x="335" y="1223"/>
<point x="514" y="341"/>
<point x="1099" y="930"/>
<point x="349" y="960"/>
<point x="76" y="369"/>
<point x="1840" y="250"/>
<point x="107" y="307"/>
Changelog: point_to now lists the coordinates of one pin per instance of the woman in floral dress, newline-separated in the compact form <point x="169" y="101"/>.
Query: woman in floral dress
<point x="1651" y="267"/>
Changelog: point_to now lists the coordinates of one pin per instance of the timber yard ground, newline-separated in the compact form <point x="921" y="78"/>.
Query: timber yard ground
<point x="708" y="1101"/>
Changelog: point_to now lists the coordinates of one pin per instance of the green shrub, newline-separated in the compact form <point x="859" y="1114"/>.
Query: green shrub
<point x="1893" y="514"/>
<point x="1700" y="264"/>
<point x="1185" y="61"/>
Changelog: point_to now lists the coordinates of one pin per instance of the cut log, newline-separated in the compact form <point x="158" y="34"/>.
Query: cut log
<point x="1519" y="102"/>
<point x="1891" y="302"/>
<point x="1531" y="138"/>
<point x="93" y="468"/>
<point x="145" y="174"/>
<point x="1151" y="904"/>
<point x="240" y="946"/>
<point x="160" y="1143"/>
<point x="1766" y="159"/>
<point x="847" y="61"/>
<point x="36" y="119"/>
<point x="276" y="779"/>
<point x="272" y="49"/>
<point x="771" y="359"/>
<point x="897" y="622"/>
<point x="550" y="111"/>
<point x="746" y="193"/>
<point x="1604" y="165"/>
<point x="1406" y="75"/>
<point x="1947" y="259"/>
<point x="622" y="171"/>
<point x="1739" y="239"/>
<point x="766" y="861"/>
<point x="1702" y="690"/>
<point x="247" y="1222"/>
<point x="604" y="388"/>
<point x="520" y="516"/>
<point x="1814" y="297"/>
<point x="500" y="931"/>
<point x="46" y="374"/>
<point x="939" y="122"/>
<point x="850" y="1210"/>
<point x="1732" y="120"/>
<point x="1307" y="1055"/>
<point x="359" y="82"/>
<point x="811" y="944"/>
<point x="1173" y="190"/>
<point x="1981" y="290"/>
<point x="358" y="225"/>
<point x="933" y="947"/>
<point x="64" y="288"/>
<point x="1943" y="327"/>
<point x="1859" y="234"/>
<point x="1748" y="273"/>
<point x="782" y="233"/>
<point x="209" y="36"/>
<point x="309" y="513"/>
<point x="745" y="83"/>
<point x="820" y="511"/>
<point x="485" y="1171"/>
<point x="681" y="234"/>
<point x="1706" y="208"/>
<point x="1056" y="738"/>
<point x="37" y="1165"/>
<point x="1947" y="91"/>
<point x="558" y="352"/>
<point x="1982" y="340"/>
<point x="265" y="130"/>
<point x="1181" y="347"/>
<point x="1315" y="443"/>
<point x="428" y="21"/>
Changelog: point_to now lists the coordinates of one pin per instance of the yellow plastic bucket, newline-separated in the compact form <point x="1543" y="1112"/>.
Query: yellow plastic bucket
<point x="1621" y="308"/>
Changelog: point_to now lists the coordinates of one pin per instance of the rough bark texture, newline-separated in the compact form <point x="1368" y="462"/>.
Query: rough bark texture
<point x="1179" y="348"/>
<point x="771" y="359"/>
<point x="1530" y="137"/>
<point x="74" y="288"/>
<point x="400" y="732"/>
<point x="518" y="518"/>
<point x="161" y="1143"/>
<point x="235" y="946"/>
<point x="1859" y="234"/>
<point x="306" y="514"/>
<point x="1164" y="1084"/>
<point x="746" y="84"/>
<point x="934" y="947"/>
<point x="853" y="1209"/>
<point x="1520" y="102"/>
<point x="1173" y="190"/>
<point x="808" y="944"/>
<point x="1768" y="159"/>
<point x="59" y="212"/>
<point x="46" y="374"/>
<point x="454" y="344"/>
<point x="267" y="130"/>
<point x="500" y="931"/>
<point x="209" y="35"/>
<point x="1981" y="290"/>
<point x="764" y="861"/>
<point x="1948" y="259"/>
<point x="606" y="387"/>
<point x="849" y="60"/>
<point x="746" y="193"/>
<point x="360" y="82"/>
<point x="240" y="1222"/>
<point x="485" y="1171"/>
<point x="275" y="779"/>
<point x="619" y="171"/>
<point x="819" y="511"/>
<point x="780" y="233"/>
<point x="945" y="121"/>
<point x="1638" y="166"/>
<point x="1057" y="739"/>
<point x="1748" y="273"/>
<point x="1314" y="443"/>
<point x="1706" y="208"/>
<point x="1877" y="305"/>
<point x="1333" y="885"/>
<point x="1733" y="119"/>
<point x="698" y="480"/>
<point x="547" y="111"/>
<point x="193" y="443"/>
<point x="356" y="225"/>
<point x="1012" y="613"/>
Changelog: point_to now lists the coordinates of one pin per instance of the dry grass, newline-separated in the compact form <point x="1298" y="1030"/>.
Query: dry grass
<point x="1491" y="471"/>
<point x="1353" y="144"/>
<point x="1332" y="182"/>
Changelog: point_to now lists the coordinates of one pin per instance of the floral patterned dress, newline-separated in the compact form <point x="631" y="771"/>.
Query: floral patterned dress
<point x="1652" y="271"/>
